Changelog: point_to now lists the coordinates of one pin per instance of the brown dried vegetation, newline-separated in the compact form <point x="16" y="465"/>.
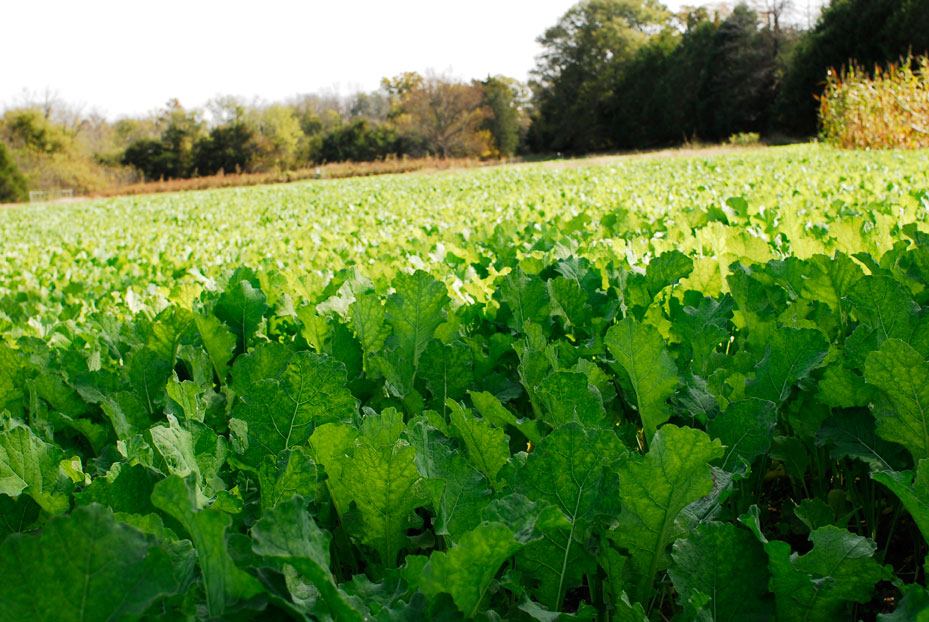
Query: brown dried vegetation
<point x="886" y="110"/>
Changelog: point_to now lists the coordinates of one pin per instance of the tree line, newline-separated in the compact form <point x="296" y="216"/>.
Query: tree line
<point x="612" y="75"/>
<point x="410" y="115"/>
<point x="628" y="74"/>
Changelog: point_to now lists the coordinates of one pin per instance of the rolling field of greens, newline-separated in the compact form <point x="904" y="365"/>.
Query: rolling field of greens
<point x="689" y="389"/>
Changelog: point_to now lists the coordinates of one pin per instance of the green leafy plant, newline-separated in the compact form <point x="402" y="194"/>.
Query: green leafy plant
<point x="712" y="410"/>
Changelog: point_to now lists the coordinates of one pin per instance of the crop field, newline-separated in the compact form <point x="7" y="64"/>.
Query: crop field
<point x="690" y="388"/>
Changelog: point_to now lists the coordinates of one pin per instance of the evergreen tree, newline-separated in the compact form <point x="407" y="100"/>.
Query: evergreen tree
<point x="739" y="81"/>
<point x="12" y="183"/>
<point x="867" y="31"/>
<point x="501" y="97"/>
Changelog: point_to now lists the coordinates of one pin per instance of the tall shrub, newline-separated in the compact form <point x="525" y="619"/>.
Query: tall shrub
<point x="12" y="183"/>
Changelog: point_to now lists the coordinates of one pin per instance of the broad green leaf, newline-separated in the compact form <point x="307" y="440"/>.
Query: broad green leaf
<point x="287" y="534"/>
<point x="382" y="480"/>
<point x="903" y="375"/>
<point x="653" y="490"/>
<point x="414" y="312"/>
<point x="488" y="446"/>
<point x="831" y="280"/>
<point x="527" y="519"/>
<point x="919" y="339"/>
<point x="843" y="388"/>
<point x="728" y="566"/>
<point x="557" y="563"/>
<point x="197" y="361"/>
<point x="702" y="328"/>
<point x="186" y="394"/>
<point x="225" y="584"/>
<point x="175" y="445"/>
<point x="193" y="450"/>
<point x="29" y="465"/>
<point x="241" y="307"/>
<point x="815" y="513"/>
<point x="694" y="401"/>
<point x="330" y="445"/>
<point x="172" y="327"/>
<point x="641" y="354"/>
<point x="536" y="360"/>
<point x="628" y="611"/>
<point x="265" y="362"/>
<point x="291" y="473"/>
<point x="125" y="413"/>
<point x="447" y="370"/>
<point x="881" y="304"/>
<point x="392" y="599"/>
<point x="709" y="507"/>
<point x="219" y="343"/>
<point x="462" y="492"/>
<point x="399" y="376"/>
<point x="572" y="469"/>
<point x="369" y="318"/>
<point x="821" y="585"/>
<point x="613" y="564"/>
<point x="570" y="302"/>
<point x="124" y="489"/>
<point x="599" y="379"/>
<point x="585" y="612"/>
<point x="11" y="380"/>
<point x="316" y="328"/>
<point x="745" y="428"/>
<point x="667" y="269"/>
<point x="912" y="490"/>
<point x="759" y="301"/>
<point x="282" y="414"/>
<point x="568" y="397"/>
<point x="18" y="515"/>
<point x="466" y="570"/>
<point x="492" y="410"/>
<point x="66" y="406"/>
<point x="351" y="283"/>
<point x="345" y="348"/>
<point x="147" y="373"/>
<point x="83" y="567"/>
<point x="791" y="354"/>
<point x="382" y="429"/>
<point x="852" y="434"/>
<point x="526" y="297"/>
<point x="331" y="441"/>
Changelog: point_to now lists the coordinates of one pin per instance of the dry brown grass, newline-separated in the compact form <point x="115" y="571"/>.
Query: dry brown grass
<point x="325" y="171"/>
<point x="886" y="110"/>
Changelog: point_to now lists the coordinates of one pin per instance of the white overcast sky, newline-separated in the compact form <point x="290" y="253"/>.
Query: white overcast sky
<point x="127" y="57"/>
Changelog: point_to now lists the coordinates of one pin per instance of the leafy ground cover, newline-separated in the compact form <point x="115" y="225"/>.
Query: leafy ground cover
<point x="691" y="389"/>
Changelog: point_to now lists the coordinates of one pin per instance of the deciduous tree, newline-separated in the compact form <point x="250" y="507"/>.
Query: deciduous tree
<point x="447" y="116"/>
